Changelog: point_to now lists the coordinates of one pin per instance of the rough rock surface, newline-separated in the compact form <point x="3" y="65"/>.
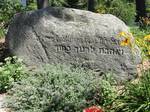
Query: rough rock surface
<point x="71" y="36"/>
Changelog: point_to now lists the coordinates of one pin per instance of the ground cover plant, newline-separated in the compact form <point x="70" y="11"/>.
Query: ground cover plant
<point x="11" y="71"/>
<point x="60" y="89"/>
<point x="66" y="89"/>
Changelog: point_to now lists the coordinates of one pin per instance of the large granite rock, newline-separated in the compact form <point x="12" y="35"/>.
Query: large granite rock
<point x="71" y="36"/>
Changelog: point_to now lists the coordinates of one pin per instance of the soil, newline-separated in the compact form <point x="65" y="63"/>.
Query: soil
<point x="2" y="98"/>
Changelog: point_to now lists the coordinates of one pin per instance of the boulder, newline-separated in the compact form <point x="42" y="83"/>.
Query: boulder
<point x="57" y="35"/>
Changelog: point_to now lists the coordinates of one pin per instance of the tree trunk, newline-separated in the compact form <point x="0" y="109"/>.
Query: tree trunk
<point x="42" y="4"/>
<point x="140" y="9"/>
<point x="91" y="5"/>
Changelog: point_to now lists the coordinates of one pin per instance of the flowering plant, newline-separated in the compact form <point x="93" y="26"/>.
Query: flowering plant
<point x="127" y="40"/>
<point x="144" y="43"/>
<point x="147" y="38"/>
<point x="93" y="109"/>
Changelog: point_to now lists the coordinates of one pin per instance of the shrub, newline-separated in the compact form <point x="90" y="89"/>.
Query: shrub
<point x="7" y="10"/>
<point x="57" y="2"/>
<point x="10" y="71"/>
<point x="60" y="89"/>
<point x="136" y="97"/>
<point x="123" y="9"/>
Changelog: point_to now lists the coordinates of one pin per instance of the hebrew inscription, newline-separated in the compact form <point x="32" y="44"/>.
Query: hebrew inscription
<point x="88" y="45"/>
<point x="89" y="49"/>
<point x="100" y="40"/>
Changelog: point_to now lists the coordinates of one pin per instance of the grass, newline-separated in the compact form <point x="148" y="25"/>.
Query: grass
<point x="139" y="32"/>
<point x="136" y="96"/>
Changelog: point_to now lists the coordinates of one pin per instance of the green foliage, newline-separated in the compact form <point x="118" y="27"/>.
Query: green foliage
<point x="8" y="8"/>
<point x="2" y="32"/>
<point x="10" y="71"/>
<point x="136" y="97"/>
<point x="139" y="34"/>
<point x="31" y="5"/>
<point x="78" y="4"/>
<point x="57" y="2"/>
<point x="66" y="89"/>
<point x="108" y="90"/>
<point x="123" y="9"/>
<point x="60" y="89"/>
<point x="148" y="7"/>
